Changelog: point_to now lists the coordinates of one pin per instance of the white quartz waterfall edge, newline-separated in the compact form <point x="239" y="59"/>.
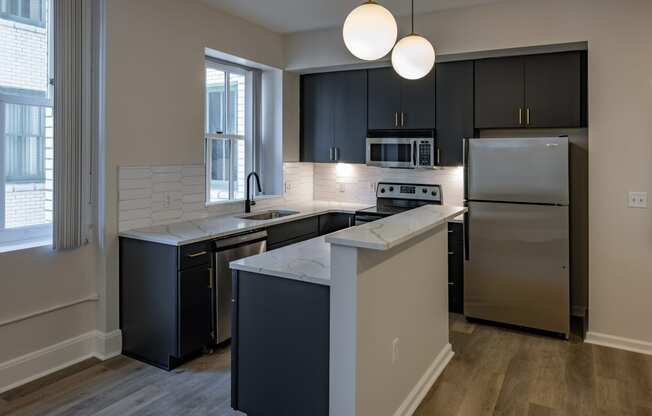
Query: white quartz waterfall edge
<point x="413" y="400"/>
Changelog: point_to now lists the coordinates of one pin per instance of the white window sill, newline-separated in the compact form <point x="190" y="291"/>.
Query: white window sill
<point x="24" y="245"/>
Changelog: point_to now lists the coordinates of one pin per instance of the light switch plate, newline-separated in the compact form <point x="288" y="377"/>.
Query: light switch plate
<point x="638" y="199"/>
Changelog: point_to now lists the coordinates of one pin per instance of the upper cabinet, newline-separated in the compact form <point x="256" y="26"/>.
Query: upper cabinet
<point x="334" y="117"/>
<point x="454" y="110"/>
<point x="397" y="103"/>
<point x="539" y="91"/>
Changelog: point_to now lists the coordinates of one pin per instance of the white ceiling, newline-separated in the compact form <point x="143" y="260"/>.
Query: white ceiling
<point x="286" y="16"/>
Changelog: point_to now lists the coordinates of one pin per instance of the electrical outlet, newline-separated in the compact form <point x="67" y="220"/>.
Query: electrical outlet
<point x="395" y="350"/>
<point x="167" y="200"/>
<point x="638" y="199"/>
<point x="288" y="187"/>
<point x="372" y="187"/>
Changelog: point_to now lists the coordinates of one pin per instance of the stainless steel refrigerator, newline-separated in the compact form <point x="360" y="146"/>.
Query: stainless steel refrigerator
<point x="517" y="267"/>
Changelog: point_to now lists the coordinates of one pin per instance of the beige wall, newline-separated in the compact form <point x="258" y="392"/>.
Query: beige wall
<point x="39" y="279"/>
<point x="154" y="95"/>
<point x="619" y="36"/>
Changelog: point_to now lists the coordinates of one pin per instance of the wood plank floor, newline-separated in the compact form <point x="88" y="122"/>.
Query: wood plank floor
<point x="495" y="371"/>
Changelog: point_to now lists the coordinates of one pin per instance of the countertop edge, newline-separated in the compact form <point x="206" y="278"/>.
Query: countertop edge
<point x="262" y="225"/>
<point x="275" y="273"/>
<point x="351" y="242"/>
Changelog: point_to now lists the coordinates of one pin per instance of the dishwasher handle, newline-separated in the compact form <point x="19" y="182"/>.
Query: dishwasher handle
<point x="238" y="240"/>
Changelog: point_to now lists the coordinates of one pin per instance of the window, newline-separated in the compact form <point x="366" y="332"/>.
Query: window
<point x="31" y="12"/>
<point x="26" y="124"/>
<point x="229" y="144"/>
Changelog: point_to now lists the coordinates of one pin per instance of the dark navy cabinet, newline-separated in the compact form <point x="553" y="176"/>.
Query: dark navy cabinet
<point x="397" y="103"/>
<point x="532" y="91"/>
<point x="335" y="221"/>
<point x="165" y="301"/>
<point x="334" y="117"/>
<point x="454" y="110"/>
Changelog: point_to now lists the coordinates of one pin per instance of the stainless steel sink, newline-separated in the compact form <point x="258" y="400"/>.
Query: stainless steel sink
<point x="268" y="215"/>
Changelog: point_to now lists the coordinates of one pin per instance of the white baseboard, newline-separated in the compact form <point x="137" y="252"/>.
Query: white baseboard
<point x="620" y="343"/>
<point x="37" y="364"/>
<point x="419" y="391"/>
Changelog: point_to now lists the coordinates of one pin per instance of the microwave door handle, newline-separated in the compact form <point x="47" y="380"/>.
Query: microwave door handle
<point x="414" y="153"/>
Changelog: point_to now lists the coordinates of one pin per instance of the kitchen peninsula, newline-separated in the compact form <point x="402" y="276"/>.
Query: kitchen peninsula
<point x="350" y="323"/>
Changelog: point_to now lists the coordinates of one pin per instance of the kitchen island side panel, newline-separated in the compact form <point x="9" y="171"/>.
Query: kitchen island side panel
<point x="280" y="357"/>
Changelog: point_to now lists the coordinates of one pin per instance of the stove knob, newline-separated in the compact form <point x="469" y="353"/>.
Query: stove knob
<point x="425" y="191"/>
<point x="391" y="189"/>
<point x="434" y="193"/>
<point x="382" y="190"/>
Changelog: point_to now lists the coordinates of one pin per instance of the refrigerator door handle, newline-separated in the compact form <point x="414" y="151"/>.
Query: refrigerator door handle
<point x="467" y="223"/>
<point x="465" y="162"/>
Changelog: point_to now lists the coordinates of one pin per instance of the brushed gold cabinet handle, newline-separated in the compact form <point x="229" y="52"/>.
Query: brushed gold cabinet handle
<point x="198" y="254"/>
<point x="402" y="119"/>
<point x="527" y="116"/>
<point x="520" y="116"/>
<point x="210" y="278"/>
<point x="395" y="119"/>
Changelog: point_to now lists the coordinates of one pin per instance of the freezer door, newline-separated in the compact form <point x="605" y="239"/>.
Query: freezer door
<point x="517" y="267"/>
<point x="517" y="170"/>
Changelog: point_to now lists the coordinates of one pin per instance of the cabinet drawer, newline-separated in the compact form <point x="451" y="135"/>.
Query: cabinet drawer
<point x="292" y="230"/>
<point x="196" y="254"/>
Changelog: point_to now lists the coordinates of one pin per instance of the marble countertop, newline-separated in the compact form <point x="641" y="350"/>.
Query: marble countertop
<point x="389" y="232"/>
<point x="187" y="232"/>
<point x="308" y="261"/>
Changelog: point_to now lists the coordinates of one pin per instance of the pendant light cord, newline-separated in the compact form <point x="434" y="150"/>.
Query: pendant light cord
<point x="412" y="16"/>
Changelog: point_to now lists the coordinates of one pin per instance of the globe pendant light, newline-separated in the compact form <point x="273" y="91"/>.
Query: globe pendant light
<point x="370" y="31"/>
<point x="413" y="56"/>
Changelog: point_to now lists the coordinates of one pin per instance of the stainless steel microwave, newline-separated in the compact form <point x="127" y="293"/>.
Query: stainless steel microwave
<point x="408" y="153"/>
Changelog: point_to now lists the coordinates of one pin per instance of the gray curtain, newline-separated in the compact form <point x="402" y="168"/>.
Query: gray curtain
<point x="69" y="76"/>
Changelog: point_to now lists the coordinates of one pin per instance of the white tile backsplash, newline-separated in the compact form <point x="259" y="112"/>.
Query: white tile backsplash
<point x="154" y="195"/>
<point x="357" y="183"/>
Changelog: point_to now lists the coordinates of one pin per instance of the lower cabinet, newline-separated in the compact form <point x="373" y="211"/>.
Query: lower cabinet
<point x="335" y="221"/>
<point x="165" y="301"/>
<point x="456" y="267"/>
<point x="195" y="309"/>
<point x="292" y="232"/>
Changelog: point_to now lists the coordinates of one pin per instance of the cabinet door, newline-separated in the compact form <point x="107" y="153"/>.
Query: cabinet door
<point x="329" y="223"/>
<point x="350" y="115"/>
<point x="553" y="90"/>
<point x="384" y="102"/>
<point x="418" y="103"/>
<point x="499" y="93"/>
<point x="194" y="310"/>
<point x="454" y="110"/>
<point x="316" y="118"/>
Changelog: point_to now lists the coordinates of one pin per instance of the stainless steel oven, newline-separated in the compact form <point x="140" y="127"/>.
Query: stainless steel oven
<point x="407" y="153"/>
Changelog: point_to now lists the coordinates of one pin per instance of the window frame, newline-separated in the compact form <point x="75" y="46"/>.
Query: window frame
<point x="233" y="138"/>
<point x="25" y="20"/>
<point x="39" y="234"/>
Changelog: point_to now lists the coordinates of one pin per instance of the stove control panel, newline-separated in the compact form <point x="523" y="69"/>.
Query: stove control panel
<point x="421" y="192"/>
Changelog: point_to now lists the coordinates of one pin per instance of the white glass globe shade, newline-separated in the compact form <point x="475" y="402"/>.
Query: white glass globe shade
<point x="413" y="57"/>
<point x="370" y="31"/>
